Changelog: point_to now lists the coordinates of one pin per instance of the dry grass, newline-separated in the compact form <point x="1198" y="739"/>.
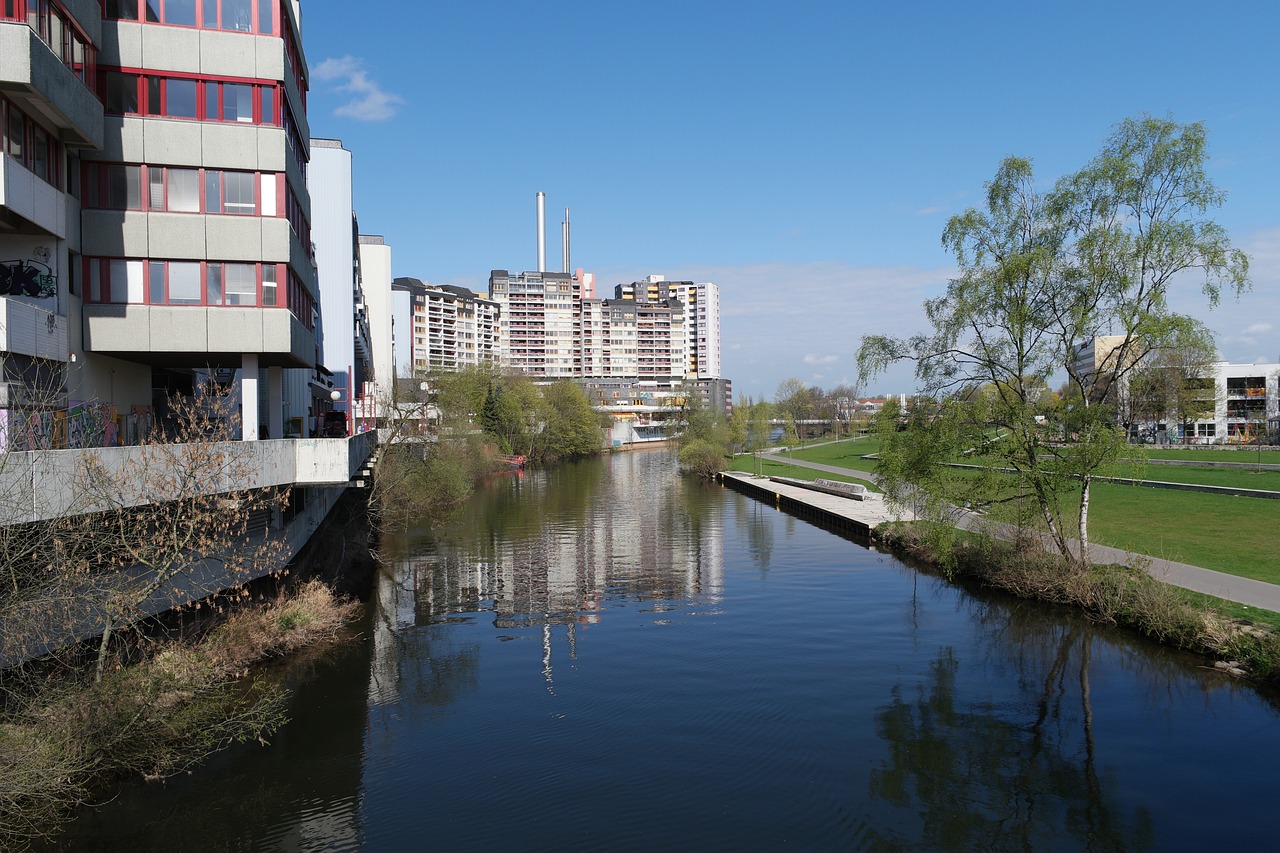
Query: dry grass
<point x="156" y="718"/>
<point x="1121" y="595"/>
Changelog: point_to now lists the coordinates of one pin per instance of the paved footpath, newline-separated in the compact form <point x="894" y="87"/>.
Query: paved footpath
<point x="1231" y="587"/>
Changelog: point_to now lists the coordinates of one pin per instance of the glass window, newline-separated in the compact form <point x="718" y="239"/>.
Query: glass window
<point x="184" y="283"/>
<point x="238" y="192"/>
<point x="237" y="102"/>
<point x="180" y="98"/>
<point x="212" y="191"/>
<point x="240" y="283"/>
<point x="153" y="11"/>
<point x="237" y="15"/>
<point x="269" y="285"/>
<point x="95" y="281"/>
<point x="268" y="195"/>
<point x="122" y="10"/>
<point x="184" y="190"/>
<point x="40" y="154"/>
<point x="213" y="285"/>
<point x="15" y="133"/>
<point x="125" y="281"/>
<point x="180" y="12"/>
<point x="268" y="105"/>
<point x="210" y="100"/>
<point x="155" y="187"/>
<point x="266" y="18"/>
<point x="122" y="92"/>
<point x="155" y="104"/>
<point x="124" y="187"/>
<point x="157" y="282"/>
<point x="210" y="18"/>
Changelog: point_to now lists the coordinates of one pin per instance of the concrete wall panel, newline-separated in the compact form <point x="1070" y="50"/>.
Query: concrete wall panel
<point x="270" y="57"/>
<point x="234" y="238"/>
<point x="235" y="330"/>
<point x="117" y="328"/>
<point x="171" y="49"/>
<point x="179" y="329"/>
<point x="229" y="146"/>
<point x="176" y="236"/>
<point x="277" y="240"/>
<point x="173" y="142"/>
<point x="228" y="54"/>
<point x="272" y="150"/>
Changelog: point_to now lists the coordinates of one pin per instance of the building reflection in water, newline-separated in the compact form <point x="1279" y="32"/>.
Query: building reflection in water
<point x="546" y="549"/>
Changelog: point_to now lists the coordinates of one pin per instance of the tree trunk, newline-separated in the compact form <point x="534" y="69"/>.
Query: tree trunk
<point x="1085" y="490"/>
<point x="102" y="651"/>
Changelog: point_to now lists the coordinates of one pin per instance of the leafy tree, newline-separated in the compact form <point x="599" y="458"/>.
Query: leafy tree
<point x="571" y="428"/>
<point x="794" y="398"/>
<point x="1041" y="273"/>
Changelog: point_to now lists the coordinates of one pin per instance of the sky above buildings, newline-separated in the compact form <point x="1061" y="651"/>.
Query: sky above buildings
<point x="803" y="156"/>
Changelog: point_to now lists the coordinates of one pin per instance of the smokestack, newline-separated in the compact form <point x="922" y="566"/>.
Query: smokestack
<point x="564" y="235"/>
<point x="542" y="232"/>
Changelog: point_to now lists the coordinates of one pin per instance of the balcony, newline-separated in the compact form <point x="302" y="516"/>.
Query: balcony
<point x="41" y="483"/>
<point x="40" y="84"/>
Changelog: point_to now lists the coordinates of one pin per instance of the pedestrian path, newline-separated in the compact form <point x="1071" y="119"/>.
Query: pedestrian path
<point x="1245" y="591"/>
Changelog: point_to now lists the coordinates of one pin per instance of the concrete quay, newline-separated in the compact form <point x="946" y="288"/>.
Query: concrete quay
<point x="860" y="517"/>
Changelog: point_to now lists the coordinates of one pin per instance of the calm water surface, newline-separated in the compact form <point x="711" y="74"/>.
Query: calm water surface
<point x="608" y="657"/>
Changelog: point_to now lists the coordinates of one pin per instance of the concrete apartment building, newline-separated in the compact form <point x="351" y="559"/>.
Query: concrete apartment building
<point x="443" y="327"/>
<point x="539" y="333"/>
<point x="702" y="317"/>
<point x="155" y="231"/>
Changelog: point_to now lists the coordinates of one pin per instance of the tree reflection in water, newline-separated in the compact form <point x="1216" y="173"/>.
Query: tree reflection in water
<point x="1004" y="776"/>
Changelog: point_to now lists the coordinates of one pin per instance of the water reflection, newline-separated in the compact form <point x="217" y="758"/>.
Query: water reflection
<point x="544" y="550"/>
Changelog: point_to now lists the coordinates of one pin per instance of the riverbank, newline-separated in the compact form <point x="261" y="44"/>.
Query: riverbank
<point x="62" y="740"/>
<point x="1121" y="591"/>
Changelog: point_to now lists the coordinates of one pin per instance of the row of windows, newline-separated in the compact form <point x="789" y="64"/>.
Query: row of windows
<point x="124" y="186"/>
<point x="130" y="93"/>
<point x="58" y="30"/>
<point x="153" y="282"/>
<point x="242" y="16"/>
<point x="30" y="144"/>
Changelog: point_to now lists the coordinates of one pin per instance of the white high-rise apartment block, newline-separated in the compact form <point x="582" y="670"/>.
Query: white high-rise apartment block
<point x="539" y="321"/>
<point x="448" y="327"/>
<point x="702" y="317"/>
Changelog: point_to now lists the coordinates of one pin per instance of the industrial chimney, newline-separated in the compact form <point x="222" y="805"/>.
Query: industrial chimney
<point x="542" y="232"/>
<point x="564" y="236"/>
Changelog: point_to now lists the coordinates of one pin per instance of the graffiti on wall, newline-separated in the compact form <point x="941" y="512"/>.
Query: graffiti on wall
<point x="29" y="277"/>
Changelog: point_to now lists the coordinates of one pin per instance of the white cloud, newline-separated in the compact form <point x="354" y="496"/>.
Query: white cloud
<point x="368" y="101"/>
<point x="1258" y="329"/>
<point x="813" y="358"/>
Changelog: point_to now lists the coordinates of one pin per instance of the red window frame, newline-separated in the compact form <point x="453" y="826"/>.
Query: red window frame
<point x="151" y="91"/>
<point x="260" y="12"/>
<point x="157" y="283"/>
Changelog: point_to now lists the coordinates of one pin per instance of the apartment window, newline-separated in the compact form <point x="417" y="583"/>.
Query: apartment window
<point x="229" y="192"/>
<point x="234" y="15"/>
<point x="269" y="298"/>
<point x="184" y="190"/>
<point x="124" y="187"/>
<point x="184" y="283"/>
<point x="120" y="92"/>
<point x="185" y="97"/>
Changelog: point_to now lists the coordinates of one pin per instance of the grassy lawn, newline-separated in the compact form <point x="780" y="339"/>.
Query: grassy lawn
<point x="1229" y="534"/>
<point x="1267" y="457"/>
<point x="1234" y="610"/>
<point x="776" y="466"/>
<point x="844" y="454"/>
<point x="1225" y="533"/>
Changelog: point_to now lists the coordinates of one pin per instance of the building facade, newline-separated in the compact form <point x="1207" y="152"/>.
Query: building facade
<point x="448" y="328"/>
<point x="702" y="317"/>
<point x="539" y="331"/>
<point x="155" y="212"/>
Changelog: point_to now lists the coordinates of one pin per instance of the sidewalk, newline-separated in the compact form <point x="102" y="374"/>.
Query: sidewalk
<point x="1231" y="587"/>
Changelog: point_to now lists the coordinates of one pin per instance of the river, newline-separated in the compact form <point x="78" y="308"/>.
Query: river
<point x="606" y="656"/>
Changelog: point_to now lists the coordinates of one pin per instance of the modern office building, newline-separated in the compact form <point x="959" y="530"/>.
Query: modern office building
<point x="448" y="328"/>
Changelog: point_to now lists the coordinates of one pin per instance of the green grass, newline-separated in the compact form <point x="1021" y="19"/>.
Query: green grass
<point x="844" y="454"/>
<point x="1221" y="532"/>
<point x="1235" y="535"/>
<point x="1248" y="455"/>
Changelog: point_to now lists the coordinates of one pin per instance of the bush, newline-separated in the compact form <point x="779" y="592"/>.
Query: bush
<point x="701" y="457"/>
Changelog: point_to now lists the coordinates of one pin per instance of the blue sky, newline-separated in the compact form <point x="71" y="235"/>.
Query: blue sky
<point x="804" y="156"/>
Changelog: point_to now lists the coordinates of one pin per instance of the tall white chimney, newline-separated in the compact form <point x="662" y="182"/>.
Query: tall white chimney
<point x="564" y="236"/>
<point x="542" y="232"/>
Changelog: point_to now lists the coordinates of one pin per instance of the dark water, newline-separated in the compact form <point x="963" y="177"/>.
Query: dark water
<point x="606" y="657"/>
